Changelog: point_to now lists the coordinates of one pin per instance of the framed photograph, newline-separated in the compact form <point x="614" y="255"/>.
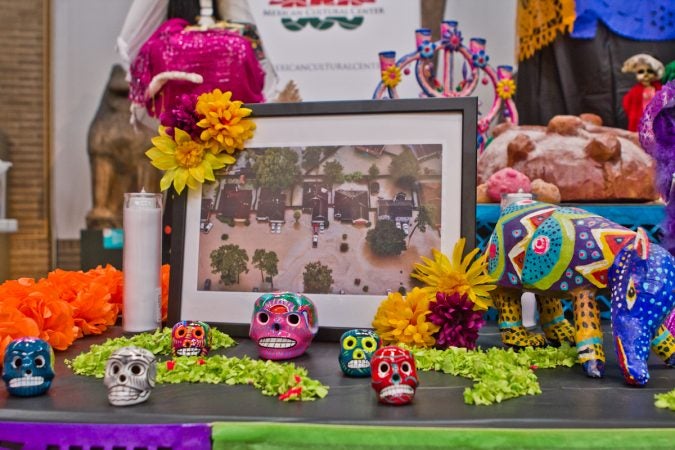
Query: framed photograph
<point x="337" y="200"/>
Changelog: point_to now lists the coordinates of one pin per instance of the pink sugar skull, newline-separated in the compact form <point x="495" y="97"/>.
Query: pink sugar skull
<point x="283" y="325"/>
<point x="393" y="375"/>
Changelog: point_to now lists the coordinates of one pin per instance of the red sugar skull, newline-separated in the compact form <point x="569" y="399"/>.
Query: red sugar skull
<point x="393" y="375"/>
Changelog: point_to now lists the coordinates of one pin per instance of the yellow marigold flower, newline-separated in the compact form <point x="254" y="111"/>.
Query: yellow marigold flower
<point x="391" y="76"/>
<point x="403" y="320"/>
<point x="506" y="88"/>
<point x="224" y="123"/>
<point x="462" y="276"/>
<point x="184" y="160"/>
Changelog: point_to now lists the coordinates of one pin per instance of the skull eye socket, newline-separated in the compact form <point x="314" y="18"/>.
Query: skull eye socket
<point x="198" y="332"/>
<point x="369" y="344"/>
<point x="115" y="369"/>
<point x="293" y="319"/>
<point x="39" y="361"/>
<point x="349" y="343"/>
<point x="180" y="332"/>
<point x="263" y="318"/>
<point x="136" y="369"/>
<point x="383" y="369"/>
<point x="406" y="368"/>
<point x="17" y="362"/>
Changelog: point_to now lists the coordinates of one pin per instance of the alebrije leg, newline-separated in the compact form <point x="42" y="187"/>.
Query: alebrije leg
<point x="511" y="321"/>
<point x="663" y="345"/>
<point x="588" y="333"/>
<point x="556" y="328"/>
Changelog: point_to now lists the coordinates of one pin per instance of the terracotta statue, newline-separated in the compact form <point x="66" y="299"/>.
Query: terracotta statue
<point x="116" y="155"/>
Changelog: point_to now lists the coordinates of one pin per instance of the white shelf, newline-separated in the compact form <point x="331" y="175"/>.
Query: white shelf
<point x="8" y="225"/>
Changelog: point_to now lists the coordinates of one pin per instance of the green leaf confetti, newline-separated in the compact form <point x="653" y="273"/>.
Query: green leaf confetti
<point x="500" y="374"/>
<point x="665" y="400"/>
<point x="283" y="379"/>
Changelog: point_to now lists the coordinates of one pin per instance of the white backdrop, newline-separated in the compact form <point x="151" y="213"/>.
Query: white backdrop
<point x="83" y="51"/>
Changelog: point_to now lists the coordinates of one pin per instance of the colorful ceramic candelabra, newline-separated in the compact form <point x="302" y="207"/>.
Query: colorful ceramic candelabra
<point x="475" y="69"/>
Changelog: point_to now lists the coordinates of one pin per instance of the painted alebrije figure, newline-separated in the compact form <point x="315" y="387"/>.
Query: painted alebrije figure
<point x="191" y="338"/>
<point x="28" y="367"/>
<point x="283" y="325"/>
<point x="394" y="375"/>
<point x="356" y="350"/>
<point x="559" y="251"/>
<point x="642" y="281"/>
<point x="657" y="137"/>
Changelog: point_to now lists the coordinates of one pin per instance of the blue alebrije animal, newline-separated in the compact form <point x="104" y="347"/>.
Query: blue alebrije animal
<point x="642" y="280"/>
<point x="561" y="251"/>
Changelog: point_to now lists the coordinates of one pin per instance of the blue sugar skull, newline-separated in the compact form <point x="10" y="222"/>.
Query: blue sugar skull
<point x="356" y="349"/>
<point x="28" y="367"/>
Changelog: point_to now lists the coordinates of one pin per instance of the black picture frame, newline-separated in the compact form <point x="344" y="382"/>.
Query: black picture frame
<point x="452" y="124"/>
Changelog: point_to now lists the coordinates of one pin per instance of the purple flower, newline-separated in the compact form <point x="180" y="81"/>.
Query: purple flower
<point x="458" y="321"/>
<point x="182" y="115"/>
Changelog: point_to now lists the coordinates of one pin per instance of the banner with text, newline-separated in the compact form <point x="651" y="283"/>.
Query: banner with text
<point x="330" y="47"/>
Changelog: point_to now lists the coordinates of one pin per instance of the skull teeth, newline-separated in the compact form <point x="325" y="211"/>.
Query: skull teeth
<point x="26" y="381"/>
<point x="358" y="364"/>
<point x="124" y="393"/>
<point x="396" y="391"/>
<point x="276" y="342"/>
<point x="188" y="351"/>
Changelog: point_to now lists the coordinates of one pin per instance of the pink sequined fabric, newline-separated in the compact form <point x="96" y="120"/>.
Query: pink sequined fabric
<point x="223" y="58"/>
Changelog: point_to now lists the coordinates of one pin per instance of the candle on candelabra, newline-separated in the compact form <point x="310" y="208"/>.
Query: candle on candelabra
<point x="142" y="259"/>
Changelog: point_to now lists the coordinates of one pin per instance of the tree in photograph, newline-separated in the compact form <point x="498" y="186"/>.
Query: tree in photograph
<point x="267" y="263"/>
<point x="333" y="173"/>
<point x="373" y="171"/>
<point x="229" y="261"/>
<point x="317" y="278"/>
<point x="404" y="169"/>
<point x="277" y="169"/>
<point x="311" y="158"/>
<point x="385" y="239"/>
<point x="296" y="215"/>
<point x="425" y="217"/>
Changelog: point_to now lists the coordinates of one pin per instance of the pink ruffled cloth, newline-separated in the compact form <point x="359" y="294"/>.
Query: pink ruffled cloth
<point x="223" y="58"/>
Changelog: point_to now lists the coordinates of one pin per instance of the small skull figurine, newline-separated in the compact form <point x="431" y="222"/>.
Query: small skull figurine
<point x="283" y="325"/>
<point x="394" y="376"/>
<point x="28" y="367"/>
<point x="356" y="350"/>
<point x="190" y="338"/>
<point x="130" y="375"/>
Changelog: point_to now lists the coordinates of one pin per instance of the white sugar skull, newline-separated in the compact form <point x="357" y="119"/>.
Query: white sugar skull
<point x="130" y="375"/>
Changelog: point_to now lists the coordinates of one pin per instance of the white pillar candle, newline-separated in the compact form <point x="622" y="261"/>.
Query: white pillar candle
<point x="142" y="259"/>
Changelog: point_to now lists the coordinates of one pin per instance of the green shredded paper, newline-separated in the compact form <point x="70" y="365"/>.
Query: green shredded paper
<point x="500" y="374"/>
<point x="665" y="400"/>
<point x="285" y="380"/>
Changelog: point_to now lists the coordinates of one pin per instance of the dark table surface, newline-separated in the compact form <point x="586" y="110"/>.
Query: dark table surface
<point x="569" y="398"/>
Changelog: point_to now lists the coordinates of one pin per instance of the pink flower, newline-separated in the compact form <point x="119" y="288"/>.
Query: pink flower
<point x="459" y="323"/>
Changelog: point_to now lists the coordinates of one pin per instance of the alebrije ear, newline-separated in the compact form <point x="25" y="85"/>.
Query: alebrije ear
<point x="642" y="243"/>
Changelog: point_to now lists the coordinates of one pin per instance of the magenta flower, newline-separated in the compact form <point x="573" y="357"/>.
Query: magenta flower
<point x="182" y="115"/>
<point x="458" y="321"/>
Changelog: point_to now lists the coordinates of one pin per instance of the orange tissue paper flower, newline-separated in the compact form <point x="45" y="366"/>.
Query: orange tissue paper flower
<point x="54" y="317"/>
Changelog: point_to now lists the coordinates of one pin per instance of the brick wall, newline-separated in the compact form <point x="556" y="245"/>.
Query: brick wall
<point x="24" y="120"/>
